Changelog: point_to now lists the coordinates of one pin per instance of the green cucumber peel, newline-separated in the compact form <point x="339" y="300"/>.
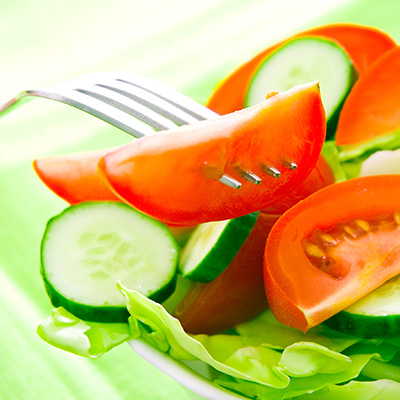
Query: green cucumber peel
<point x="89" y="247"/>
<point x="306" y="59"/>
<point x="212" y="247"/>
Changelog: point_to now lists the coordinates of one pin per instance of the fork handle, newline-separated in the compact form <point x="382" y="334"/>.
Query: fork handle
<point x="15" y="102"/>
<point x="74" y="98"/>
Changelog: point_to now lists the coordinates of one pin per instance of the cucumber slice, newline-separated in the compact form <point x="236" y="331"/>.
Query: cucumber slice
<point x="213" y="245"/>
<point x="91" y="246"/>
<point x="375" y="316"/>
<point x="304" y="60"/>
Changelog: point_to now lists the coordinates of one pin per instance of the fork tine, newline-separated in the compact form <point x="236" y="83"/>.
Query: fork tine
<point x="151" y="101"/>
<point x="169" y="95"/>
<point x="95" y="107"/>
<point x="137" y="105"/>
<point x="129" y="106"/>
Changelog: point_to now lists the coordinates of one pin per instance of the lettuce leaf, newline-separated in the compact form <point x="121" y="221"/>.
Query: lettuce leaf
<point x="354" y="390"/>
<point x="298" y="386"/>
<point x="382" y="350"/>
<point x="253" y="361"/>
<point x="225" y="353"/>
<point x="268" y="331"/>
<point x="261" y="359"/>
<point x="379" y="390"/>
<point x="330" y="151"/>
<point x="87" y="339"/>
<point x="346" y="161"/>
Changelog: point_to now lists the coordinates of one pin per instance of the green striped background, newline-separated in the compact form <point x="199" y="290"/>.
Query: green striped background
<point x="190" y="45"/>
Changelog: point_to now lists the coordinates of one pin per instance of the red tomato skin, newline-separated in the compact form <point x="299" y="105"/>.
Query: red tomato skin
<point x="371" y="109"/>
<point x="300" y="294"/>
<point x="74" y="177"/>
<point x="164" y="176"/>
<point x="364" y="45"/>
<point x="320" y="176"/>
<point x="238" y="294"/>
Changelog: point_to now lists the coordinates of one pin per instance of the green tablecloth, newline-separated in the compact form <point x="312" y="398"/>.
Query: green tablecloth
<point x="187" y="44"/>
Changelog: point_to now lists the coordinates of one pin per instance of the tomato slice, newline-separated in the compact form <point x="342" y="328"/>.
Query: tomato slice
<point x="320" y="176"/>
<point x="236" y="295"/>
<point x="371" y="109"/>
<point x="364" y="45"/>
<point x="74" y="177"/>
<point x="333" y="248"/>
<point x="173" y="176"/>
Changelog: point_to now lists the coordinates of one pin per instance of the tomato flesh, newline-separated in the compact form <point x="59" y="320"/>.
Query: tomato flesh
<point x="358" y="242"/>
<point x="173" y="176"/>
<point x="333" y="248"/>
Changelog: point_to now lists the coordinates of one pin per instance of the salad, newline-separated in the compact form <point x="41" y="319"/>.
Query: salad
<point x="287" y="287"/>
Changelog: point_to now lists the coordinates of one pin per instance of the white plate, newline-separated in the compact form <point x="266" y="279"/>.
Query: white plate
<point x="193" y="375"/>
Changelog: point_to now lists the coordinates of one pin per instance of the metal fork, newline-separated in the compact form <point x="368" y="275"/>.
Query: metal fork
<point x="135" y="104"/>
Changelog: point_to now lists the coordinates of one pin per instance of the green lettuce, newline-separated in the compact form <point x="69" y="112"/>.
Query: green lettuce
<point x="330" y="151"/>
<point x="346" y="160"/>
<point x="83" y="338"/>
<point x="298" y="385"/>
<point x="354" y="390"/>
<point x="260" y="359"/>
<point x="280" y="336"/>
<point x="379" y="390"/>
<point x="263" y="358"/>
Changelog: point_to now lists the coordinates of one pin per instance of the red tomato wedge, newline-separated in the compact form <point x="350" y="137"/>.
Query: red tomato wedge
<point x="173" y="176"/>
<point x="364" y="45"/>
<point x="320" y="176"/>
<point x="333" y="248"/>
<point x="372" y="107"/>
<point x="74" y="177"/>
<point x="236" y="295"/>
